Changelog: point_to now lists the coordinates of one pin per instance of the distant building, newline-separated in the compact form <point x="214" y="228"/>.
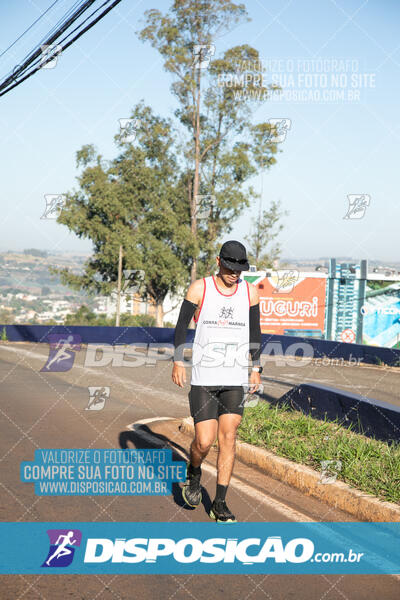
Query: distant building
<point x="346" y="286"/>
<point x="172" y="306"/>
<point x="131" y="304"/>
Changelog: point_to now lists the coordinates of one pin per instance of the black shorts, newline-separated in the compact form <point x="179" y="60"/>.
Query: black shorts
<point x="209" y="402"/>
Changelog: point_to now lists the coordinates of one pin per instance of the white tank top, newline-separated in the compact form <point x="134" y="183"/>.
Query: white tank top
<point x="221" y="341"/>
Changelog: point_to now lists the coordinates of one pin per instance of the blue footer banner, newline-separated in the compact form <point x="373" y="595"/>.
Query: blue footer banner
<point x="208" y="548"/>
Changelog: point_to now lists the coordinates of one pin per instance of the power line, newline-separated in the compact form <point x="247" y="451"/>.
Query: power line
<point x="84" y="21"/>
<point x="9" y="83"/>
<point x="21" y="69"/>
<point x="50" y="39"/>
<point x="39" y="58"/>
<point x="26" y="30"/>
<point x="60" y="21"/>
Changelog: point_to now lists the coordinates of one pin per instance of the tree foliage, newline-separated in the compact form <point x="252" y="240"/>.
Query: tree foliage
<point x="263" y="249"/>
<point x="173" y="191"/>
<point x="137" y="201"/>
<point x="222" y="147"/>
<point x="84" y="316"/>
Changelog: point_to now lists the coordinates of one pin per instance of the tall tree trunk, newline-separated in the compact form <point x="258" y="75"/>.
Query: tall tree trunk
<point x="196" y="179"/>
<point x="119" y="287"/>
<point x="159" y="314"/>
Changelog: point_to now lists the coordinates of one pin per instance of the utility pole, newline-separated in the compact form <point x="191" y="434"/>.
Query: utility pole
<point x="362" y="284"/>
<point x="119" y="286"/>
<point x="329" y="299"/>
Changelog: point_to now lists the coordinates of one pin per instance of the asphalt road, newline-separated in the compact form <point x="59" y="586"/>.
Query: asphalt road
<point x="47" y="410"/>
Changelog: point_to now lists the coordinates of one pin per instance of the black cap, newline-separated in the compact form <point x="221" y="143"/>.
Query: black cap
<point x="233" y="256"/>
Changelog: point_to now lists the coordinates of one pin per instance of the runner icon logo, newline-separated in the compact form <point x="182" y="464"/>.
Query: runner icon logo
<point x="62" y="352"/>
<point x="251" y="398"/>
<point x="226" y="312"/>
<point x="54" y="206"/>
<point x="284" y="280"/>
<point x="330" y="470"/>
<point x="358" y="204"/>
<point x="279" y="129"/>
<point x="61" y="551"/>
<point x="97" y="397"/>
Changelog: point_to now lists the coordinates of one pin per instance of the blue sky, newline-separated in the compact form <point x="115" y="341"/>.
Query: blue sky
<point x="331" y="150"/>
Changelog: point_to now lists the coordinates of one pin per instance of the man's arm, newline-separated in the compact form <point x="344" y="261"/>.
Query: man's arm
<point x="186" y="313"/>
<point x="188" y="308"/>
<point x="255" y="337"/>
<point x="255" y="328"/>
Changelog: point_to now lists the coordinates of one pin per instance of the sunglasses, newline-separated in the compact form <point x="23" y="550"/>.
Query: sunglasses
<point x="242" y="261"/>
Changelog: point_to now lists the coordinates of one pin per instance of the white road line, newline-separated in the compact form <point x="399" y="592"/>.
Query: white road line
<point x="150" y="420"/>
<point x="254" y="493"/>
<point x="263" y="498"/>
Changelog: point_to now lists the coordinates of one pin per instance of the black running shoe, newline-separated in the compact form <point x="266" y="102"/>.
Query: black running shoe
<point x="191" y="490"/>
<point x="221" y="513"/>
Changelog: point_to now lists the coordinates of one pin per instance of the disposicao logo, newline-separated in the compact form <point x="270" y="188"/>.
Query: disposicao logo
<point x="190" y="550"/>
<point x="61" y="551"/>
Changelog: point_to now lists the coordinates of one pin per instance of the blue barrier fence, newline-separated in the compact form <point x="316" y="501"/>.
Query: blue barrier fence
<point x="331" y="349"/>
<point x="90" y="335"/>
<point x="371" y="417"/>
<point x="272" y="344"/>
<point x="368" y="416"/>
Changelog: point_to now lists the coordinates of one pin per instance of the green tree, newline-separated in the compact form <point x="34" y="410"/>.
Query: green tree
<point x="137" y="320"/>
<point x="85" y="316"/>
<point x="6" y="317"/>
<point x="261" y="247"/>
<point x="137" y="201"/>
<point x="222" y="148"/>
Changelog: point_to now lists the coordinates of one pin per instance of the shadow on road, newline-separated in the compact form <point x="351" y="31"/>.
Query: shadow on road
<point x="142" y="437"/>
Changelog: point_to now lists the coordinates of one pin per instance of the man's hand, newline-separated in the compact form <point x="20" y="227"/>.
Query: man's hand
<point x="255" y="381"/>
<point x="179" y="374"/>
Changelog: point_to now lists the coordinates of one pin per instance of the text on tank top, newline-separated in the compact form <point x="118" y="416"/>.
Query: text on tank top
<point x="221" y="342"/>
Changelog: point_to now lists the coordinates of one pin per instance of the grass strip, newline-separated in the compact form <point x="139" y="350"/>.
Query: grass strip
<point x="367" y="464"/>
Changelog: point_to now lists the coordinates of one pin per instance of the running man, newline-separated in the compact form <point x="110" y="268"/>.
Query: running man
<point x="62" y="549"/>
<point x="227" y="314"/>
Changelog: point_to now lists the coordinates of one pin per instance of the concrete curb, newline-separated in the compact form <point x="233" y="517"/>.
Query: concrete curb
<point x="363" y="506"/>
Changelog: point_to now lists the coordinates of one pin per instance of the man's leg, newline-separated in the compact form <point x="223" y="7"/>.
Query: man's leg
<point x="227" y="428"/>
<point x="230" y="414"/>
<point x="204" y="410"/>
<point x="205" y="435"/>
